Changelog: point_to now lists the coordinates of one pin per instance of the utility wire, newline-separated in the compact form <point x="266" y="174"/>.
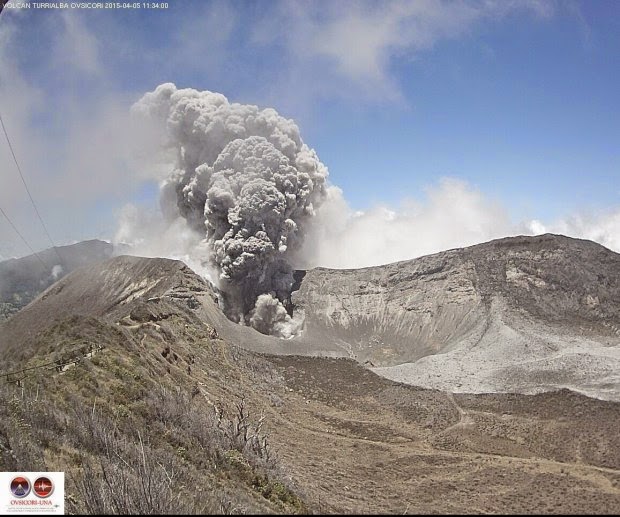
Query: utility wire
<point x="21" y="175"/>
<point x="22" y="238"/>
<point x="2" y="2"/>
<point x="79" y="355"/>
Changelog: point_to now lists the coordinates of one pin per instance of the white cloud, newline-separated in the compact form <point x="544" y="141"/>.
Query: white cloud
<point x="145" y="232"/>
<point x="19" y="101"/>
<point x="333" y="48"/>
<point x="452" y="214"/>
<point x="349" y="47"/>
<point x="76" y="47"/>
<point x="77" y="145"/>
<point x="602" y="227"/>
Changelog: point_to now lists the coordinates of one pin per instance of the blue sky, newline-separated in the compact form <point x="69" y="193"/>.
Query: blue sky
<point x="518" y="100"/>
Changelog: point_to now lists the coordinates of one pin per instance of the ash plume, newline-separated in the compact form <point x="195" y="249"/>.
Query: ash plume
<point x="247" y="183"/>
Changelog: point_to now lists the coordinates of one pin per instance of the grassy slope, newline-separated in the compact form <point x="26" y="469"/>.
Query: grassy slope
<point x="142" y="407"/>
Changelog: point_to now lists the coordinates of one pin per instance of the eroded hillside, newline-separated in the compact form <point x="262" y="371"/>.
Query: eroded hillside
<point x="400" y="312"/>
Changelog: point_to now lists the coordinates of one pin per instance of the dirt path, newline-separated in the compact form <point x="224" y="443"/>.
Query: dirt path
<point x="464" y="419"/>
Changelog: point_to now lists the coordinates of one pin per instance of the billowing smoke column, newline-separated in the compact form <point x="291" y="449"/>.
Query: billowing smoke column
<point x="244" y="179"/>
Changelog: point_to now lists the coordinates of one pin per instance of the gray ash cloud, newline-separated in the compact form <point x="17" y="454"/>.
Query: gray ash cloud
<point x="245" y="180"/>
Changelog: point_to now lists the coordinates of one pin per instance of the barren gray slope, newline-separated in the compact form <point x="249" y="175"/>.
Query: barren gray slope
<point x="518" y="314"/>
<point x="521" y="314"/>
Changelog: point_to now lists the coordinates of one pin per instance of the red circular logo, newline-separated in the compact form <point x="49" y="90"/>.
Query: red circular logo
<point x="43" y="487"/>
<point x="20" y="486"/>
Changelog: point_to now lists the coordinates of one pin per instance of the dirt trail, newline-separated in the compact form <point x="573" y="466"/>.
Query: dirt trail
<point x="393" y="448"/>
<point x="464" y="419"/>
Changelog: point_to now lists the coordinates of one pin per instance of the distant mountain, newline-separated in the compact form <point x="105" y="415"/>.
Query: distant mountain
<point x="21" y="280"/>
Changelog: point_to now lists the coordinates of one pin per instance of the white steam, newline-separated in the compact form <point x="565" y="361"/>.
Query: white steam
<point x="453" y="214"/>
<point x="248" y="185"/>
<point x="270" y="317"/>
<point x="602" y="227"/>
<point x="145" y="233"/>
<point x="56" y="271"/>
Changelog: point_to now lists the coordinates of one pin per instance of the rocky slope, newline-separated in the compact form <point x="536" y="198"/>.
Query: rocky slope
<point x="408" y="310"/>
<point x="520" y="314"/>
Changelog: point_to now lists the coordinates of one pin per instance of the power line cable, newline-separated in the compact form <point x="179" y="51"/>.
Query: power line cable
<point x="23" y="238"/>
<point x="79" y="354"/>
<point x="2" y="2"/>
<point x="21" y="175"/>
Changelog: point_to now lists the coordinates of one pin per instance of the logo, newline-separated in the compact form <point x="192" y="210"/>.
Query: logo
<point x="32" y="493"/>
<point x="43" y="487"/>
<point x="20" y="486"/>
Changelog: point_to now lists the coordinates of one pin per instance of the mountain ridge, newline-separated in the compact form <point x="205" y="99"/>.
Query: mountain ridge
<point x="470" y="319"/>
<point x="22" y="279"/>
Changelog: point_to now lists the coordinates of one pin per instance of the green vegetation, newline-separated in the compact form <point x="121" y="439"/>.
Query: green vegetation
<point x="135" y="442"/>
